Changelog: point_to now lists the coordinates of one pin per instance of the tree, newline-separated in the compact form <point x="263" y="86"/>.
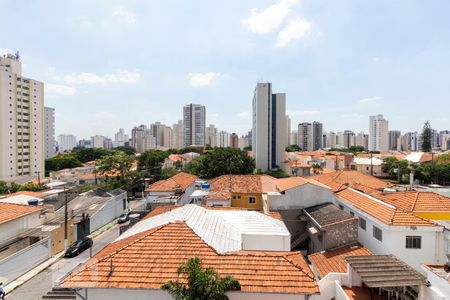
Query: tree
<point x="248" y="148"/>
<point x="61" y="162"/>
<point x="119" y="162"/>
<point x="151" y="161"/>
<point x="292" y="148"/>
<point x="356" y="149"/>
<point x="202" y="283"/>
<point x="277" y="173"/>
<point x="89" y="154"/>
<point x="392" y="166"/>
<point x="221" y="161"/>
<point x="443" y="158"/>
<point x="317" y="169"/>
<point x="127" y="149"/>
<point x="426" y="137"/>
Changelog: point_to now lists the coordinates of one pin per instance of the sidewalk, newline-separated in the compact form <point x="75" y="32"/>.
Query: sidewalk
<point x="30" y="274"/>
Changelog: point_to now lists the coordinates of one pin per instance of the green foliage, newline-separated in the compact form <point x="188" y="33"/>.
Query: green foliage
<point x="391" y="166"/>
<point x="61" y="162"/>
<point x="352" y="149"/>
<point x="14" y="187"/>
<point x="126" y="149"/>
<point x="221" y="161"/>
<point x="248" y="148"/>
<point x="202" y="283"/>
<point x="426" y="137"/>
<point x="434" y="173"/>
<point x="117" y="162"/>
<point x="151" y="161"/>
<point x="443" y="158"/>
<point x="292" y="148"/>
<point x="89" y="154"/>
<point x="316" y="168"/>
<point x="86" y="187"/>
<point x="167" y="173"/>
<point x="277" y="173"/>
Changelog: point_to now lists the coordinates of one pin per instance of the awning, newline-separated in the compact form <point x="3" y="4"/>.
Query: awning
<point x="383" y="271"/>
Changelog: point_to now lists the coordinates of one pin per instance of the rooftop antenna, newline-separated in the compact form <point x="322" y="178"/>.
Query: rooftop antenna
<point x="17" y="55"/>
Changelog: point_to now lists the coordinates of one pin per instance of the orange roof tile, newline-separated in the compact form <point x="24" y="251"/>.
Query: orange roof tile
<point x="416" y="201"/>
<point x="87" y="176"/>
<point x="349" y="178"/>
<point x="28" y="193"/>
<point x="179" y="181"/>
<point x="333" y="261"/>
<point x="10" y="211"/>
<point x="386" y="213"/>
<point x="287" y="183"/>
<point x="246" y="184"/>
<point x="151" y="258"/>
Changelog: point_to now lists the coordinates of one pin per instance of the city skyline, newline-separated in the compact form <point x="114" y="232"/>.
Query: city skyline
<point x="302" y="43"/>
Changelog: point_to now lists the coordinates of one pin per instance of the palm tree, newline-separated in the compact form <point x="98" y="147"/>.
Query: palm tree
<point x="202" y="283"/>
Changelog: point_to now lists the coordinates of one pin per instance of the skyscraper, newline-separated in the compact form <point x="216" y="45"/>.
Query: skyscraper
<point x="22" y="149"/>
<point x="49" y="124"/>
<point x="194" y="125"/>
<point x="211" y="136"/>
<point x="269" y="127"/>
<point x="178" y="135"/>
<point x="142" y="139"/>
<point x="378" y="133"/>
<point x="349" y="139"/>
<point x="121" y="138"/>
<point x="66" y="142"/>
<point x="224" y="139"/>
<point x="305" y="136"/>
<point x="317" y="131"/>
<point x="234" y="140"/>
<point x="288" y="131"/>
<point x="394" y="135"/>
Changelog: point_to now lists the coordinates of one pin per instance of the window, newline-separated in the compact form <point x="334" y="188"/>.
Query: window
<point x="341" y="206"/>
<point x="413" y="242"/>
<point x="362" y="223"/>
<point x="251" y="200"/>
<point x="377" y="233"/>
<point x="352" y="213"/>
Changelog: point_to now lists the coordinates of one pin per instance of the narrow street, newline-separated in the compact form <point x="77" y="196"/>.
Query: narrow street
<point x="43" y="282"/>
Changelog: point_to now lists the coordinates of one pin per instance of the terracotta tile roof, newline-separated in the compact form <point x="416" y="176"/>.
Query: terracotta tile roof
<point x="149" y="259"/>
<point x="218" y="195"/>
<point x="28" y="193"/>
<point x="384" y="212"/>
<point x="333" y="261"/>
<point x="175" y="157"/>
<point x="284" y="184"/>
<point x="416" y="201"/>
<point x="246" y="184"/>
<point x="87" y="176"/>
<point x="350" y="178"/>
<point x="10" y="211"/>
<point x="179" y="181"/>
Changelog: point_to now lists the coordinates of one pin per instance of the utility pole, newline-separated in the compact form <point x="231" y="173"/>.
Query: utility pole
<point x="65" y="219"/>
<point x="399" y="176"/>
<point x="39" y="176"/>
<point x="371" y="164"/>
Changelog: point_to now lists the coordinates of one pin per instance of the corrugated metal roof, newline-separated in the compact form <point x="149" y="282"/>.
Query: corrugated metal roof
<point x="220" y="229"/>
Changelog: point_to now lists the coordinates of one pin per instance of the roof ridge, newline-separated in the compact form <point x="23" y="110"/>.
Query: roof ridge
<point x="288" y="259"/>
<point x="415" y="201"/>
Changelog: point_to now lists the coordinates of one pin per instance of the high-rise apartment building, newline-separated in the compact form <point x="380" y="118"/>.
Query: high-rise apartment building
<point x="194" y="125"/>
<point x="224" y="139"/>
<point x="178" y="135"/>
<point x="349" y="139"/>
<point x="22" y="136"/>
<point x="98" y="141"/>
<point x="305" y="136"/>
<point x="269" y="127"/>
<point x="142" y="139"/>
<point x="378" y="133"/>
<point x="362" y="140"/>
<point x="394" y="135"/>
<point x="331" y="139"/>
<point x="212" y="139"/>
<point x="66" y="142"/>
<point x="294" y="137"/>
<point x="157" y="130"/>
<point x="234" y="140"/>
<point x="121" y="138"/>
<point x="288" y="131"/>
<point x="317" y="129"/>
<point x="49" y="121"/>
<point x="412" y="140"/>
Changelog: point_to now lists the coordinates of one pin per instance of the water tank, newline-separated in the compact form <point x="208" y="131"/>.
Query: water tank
<point x="33" y="202"/>
<point x="205" y="186"/>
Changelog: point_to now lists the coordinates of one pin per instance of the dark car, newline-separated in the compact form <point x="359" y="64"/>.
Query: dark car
<point x="123" y="218"/>
<point x="78" y="247"/>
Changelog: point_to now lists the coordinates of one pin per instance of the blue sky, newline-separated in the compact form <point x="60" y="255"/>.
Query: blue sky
<point x="111" y="64"/>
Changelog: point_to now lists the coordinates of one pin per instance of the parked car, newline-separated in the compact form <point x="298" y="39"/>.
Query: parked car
<point x="78" y="247"/>
<point x="123" y="218"/>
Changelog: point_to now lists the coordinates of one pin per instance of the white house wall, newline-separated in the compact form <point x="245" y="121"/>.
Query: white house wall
<point x="110" y="211"/>
<point x="300" y="197"/>
<point x="13" y="228"/>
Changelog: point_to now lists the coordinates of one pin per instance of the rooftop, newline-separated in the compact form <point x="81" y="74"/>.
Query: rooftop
<point x="284" y="184"/>
<point x="222" y="229"/>
<point x="339" y="179"/>
<point x="378" y="271"/>
<point x="245" y="184"/>
<point x="179" y="181"/>
<point x="327" y="214"/>
<point x="380" y="210"/>
<point x="151" y="258"/>
<point x="333" y="261"/>
<point x="10" y="211"/>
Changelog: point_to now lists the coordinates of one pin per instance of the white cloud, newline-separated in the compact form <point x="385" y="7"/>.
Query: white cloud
<point x="57" y="89"/>
<point x="369" y="99"/>
<point x="271" y="18"/>
<point x="304" y="113"/>
<point x="125" y="16"/>
<point x="294" y="30"/>
<point x="244" y="114"/>
<point x="203" y="79"/>
<point x="120" y="76"/>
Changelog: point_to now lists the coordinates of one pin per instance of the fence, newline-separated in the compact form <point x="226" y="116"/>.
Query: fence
<point x="24" y="260"/>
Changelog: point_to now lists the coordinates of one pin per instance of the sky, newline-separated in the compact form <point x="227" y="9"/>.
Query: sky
<point x="116" y="64"/>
